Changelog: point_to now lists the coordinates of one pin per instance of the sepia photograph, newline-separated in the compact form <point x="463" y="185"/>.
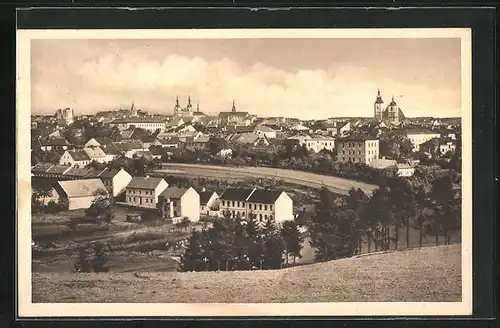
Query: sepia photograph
<point x="244" y="172"/>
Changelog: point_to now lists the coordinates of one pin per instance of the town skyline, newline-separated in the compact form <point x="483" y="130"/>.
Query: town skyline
<point x="266" y="77"/>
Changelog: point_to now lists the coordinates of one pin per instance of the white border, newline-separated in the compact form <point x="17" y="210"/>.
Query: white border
<point x="28" y="309"/>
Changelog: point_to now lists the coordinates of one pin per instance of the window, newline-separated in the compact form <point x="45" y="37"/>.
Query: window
<point x="260" y="206"/>
<point x="265" y="207"/>
<point x="223" y="203"/>
<point x="270" y="207"/>
<point x="260" y="217"/>
<point x="265" y="216"/>
<point x="233" y="204"/>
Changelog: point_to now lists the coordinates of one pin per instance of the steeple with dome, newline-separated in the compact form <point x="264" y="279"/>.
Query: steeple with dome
<point x="392" y="114"/>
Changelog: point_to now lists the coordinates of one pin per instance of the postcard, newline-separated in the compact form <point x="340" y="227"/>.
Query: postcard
<point x="244" y="172"/>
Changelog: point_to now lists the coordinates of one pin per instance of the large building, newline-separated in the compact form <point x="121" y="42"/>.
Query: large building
<point x="357" y="149"/>
<point x="151" y="124"/>
<point x="183" y="112"/>
<point x="420" y="136"/>
<point x="391" y="114"/>
<point x="315" y="144"/>
<point x="115" y="181"/>
<point x="79" y="194"/>
<point x="144" y="191"/>
<point x="264" y="204"/>
<point x="234" y="117"/>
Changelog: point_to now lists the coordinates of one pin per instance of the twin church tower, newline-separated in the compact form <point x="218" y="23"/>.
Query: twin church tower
<point x="391" y="114"/>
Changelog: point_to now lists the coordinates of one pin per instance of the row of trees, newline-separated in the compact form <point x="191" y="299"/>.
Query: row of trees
<point x="233" y="243"/>
<point x="340" y="226"/>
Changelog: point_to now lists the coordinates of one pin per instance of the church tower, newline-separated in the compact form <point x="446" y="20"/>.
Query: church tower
<point x="393" y="112"/>
<point x="189" y="106"/>
<point x="233" y="109"/>
<point x="378" y="107"/>
<point x="177" y="107"/>
<point x="133" y="110"/>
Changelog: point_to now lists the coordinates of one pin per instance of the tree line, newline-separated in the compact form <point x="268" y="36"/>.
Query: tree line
<point x="339" y="226"/>
<point x="235" y="243"/>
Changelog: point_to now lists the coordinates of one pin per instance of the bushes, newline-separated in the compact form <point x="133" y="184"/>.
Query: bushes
<point x="92" y="258"/>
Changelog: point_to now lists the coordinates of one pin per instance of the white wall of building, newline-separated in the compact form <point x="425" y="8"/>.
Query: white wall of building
<point x="283" y="208"/>
<point x="190" y="205"/>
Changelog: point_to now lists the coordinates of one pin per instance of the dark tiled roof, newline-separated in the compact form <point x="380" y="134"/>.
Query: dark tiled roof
<point x="58" y="169"/>
<point x="108" y="174"/>
<point x="82" y="172"/>
<point x="128" y="145"/>
<point x="264" y="196"/>
<point x="57" y="141"/>
<point x="173" y="192"/>
<point x="357" y="138"/>
<point x="79" y="155"/>
<point x="238" y="194"/>
<point x="132" y="120"/>
<point x="41" y="167"/>
<point x="205" y="196"/>
<point x="144" y="182"/>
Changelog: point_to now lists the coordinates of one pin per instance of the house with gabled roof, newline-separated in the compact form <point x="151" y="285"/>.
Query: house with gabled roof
<point x="176" y="203"/>
<point x="49" y="143"/>
<point x="144" y="191"/>
<point x="209" y="200"/>
<point x="115" y="181"/>
<point x="264" y="130"/>
<point x="264" y="204"/>
<point x="79" y="194"/>
<point x="77" y="157"/>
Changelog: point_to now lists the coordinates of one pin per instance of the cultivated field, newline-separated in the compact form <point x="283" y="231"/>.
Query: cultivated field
<point x="430" y="274"/>
<point x="335" y="184"/>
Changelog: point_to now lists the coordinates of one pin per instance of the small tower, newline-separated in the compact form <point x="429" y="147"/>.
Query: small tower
<point x="177" y="107"/>
<point x="233" y="109"/>
<point x="198" y="107"/>
<point x="189" y="107"/>
<point x="377" y="107"/>
<point x="133" y="110"/>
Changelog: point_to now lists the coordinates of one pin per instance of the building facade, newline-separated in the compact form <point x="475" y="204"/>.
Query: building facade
<point x="116" y="181"/>
<point x="420" y="136"/>
<point x="177" y="203"/>
<point x="357" y="149"/>
<point x="144" y="191"/>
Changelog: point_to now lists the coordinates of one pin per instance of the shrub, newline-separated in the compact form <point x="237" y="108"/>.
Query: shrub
<point x="83" y="260"/>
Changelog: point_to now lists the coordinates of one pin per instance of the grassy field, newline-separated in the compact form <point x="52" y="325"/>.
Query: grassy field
<point x="428" y="274"/>
<point x="335" y="184"/>
<point x="133" y="246"/>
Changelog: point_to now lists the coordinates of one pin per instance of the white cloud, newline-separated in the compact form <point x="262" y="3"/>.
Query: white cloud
<point x="114" y="80"/>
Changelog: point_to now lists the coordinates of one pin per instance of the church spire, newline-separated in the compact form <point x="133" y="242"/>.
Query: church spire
<point x="233" y="109"/>
<point x="177" y="101"/>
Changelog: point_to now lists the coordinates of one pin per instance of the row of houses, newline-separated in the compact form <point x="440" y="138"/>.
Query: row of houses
<point x="79" y="187"/>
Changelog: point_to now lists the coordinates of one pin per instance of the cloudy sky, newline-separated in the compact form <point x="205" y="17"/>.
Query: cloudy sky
<point x="304" y="78"/>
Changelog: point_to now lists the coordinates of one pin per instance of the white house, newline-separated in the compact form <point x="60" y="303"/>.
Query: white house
<point x="315" y="144"/>
<point x="96" y="154"/>
<point x="262" y="203"/>
<point x="47" y="144"/>
<point x="75" y="157"/>
<point x="299" y="127"/>
<point x="208" y="201"/>
<point x="419" y="136"/>
<point x="178" y="203"/>
<point x="403" y="170"/>
<point x="270" y="204"/>
<point x="80" y="193"/>
<point x="115" y="181"/>
<point x="266" y="131"/>
<point x="144" y="191"/>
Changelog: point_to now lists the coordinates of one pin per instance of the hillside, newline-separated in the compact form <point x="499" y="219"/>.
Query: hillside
<point x="427" y="274"/>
